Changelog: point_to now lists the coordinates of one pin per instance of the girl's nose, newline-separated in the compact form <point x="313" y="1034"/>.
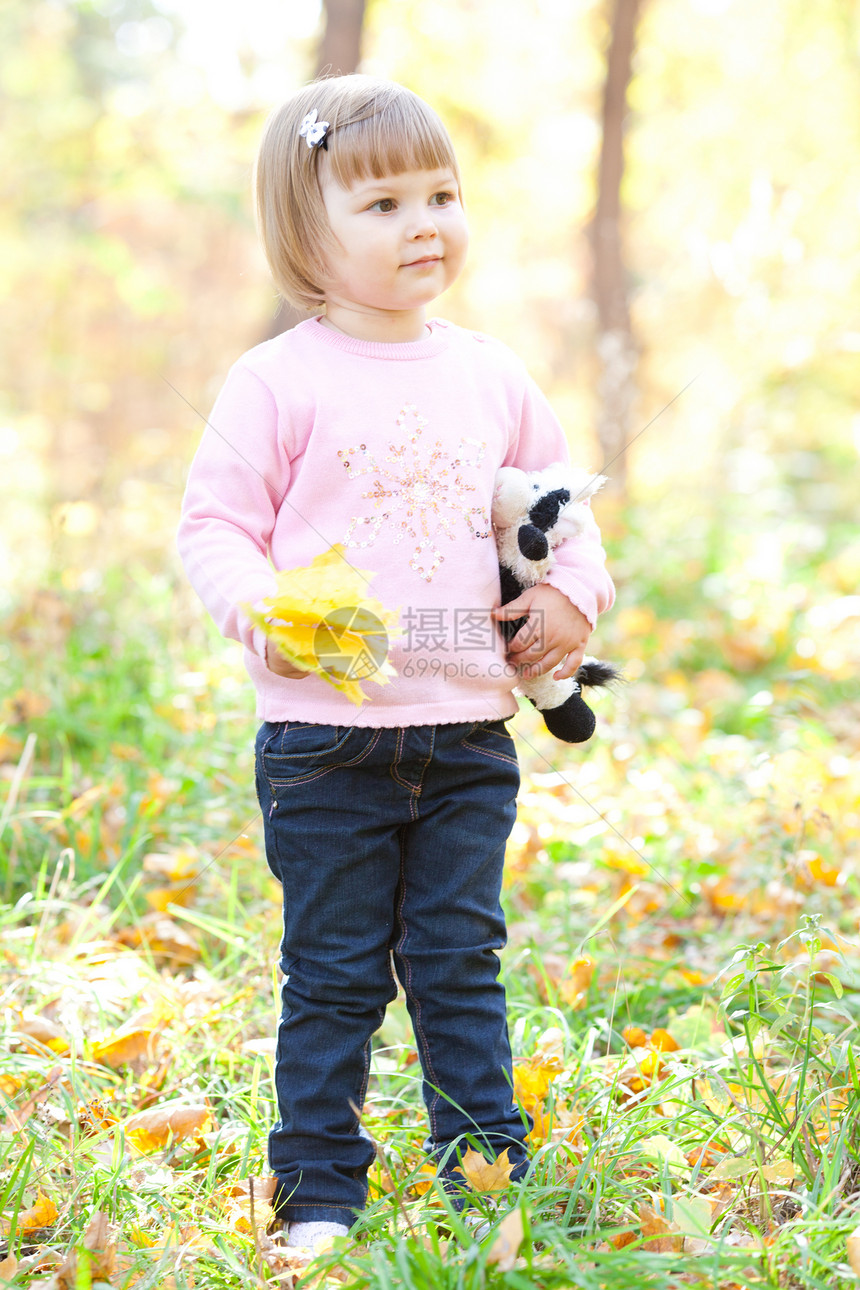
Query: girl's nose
<point x="424" y="225"/>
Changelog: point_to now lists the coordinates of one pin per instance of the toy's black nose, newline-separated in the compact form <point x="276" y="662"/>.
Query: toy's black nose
<point x="533" y="543"/>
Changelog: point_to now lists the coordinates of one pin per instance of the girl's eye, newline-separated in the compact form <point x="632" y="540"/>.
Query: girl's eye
<point x="385" y="204"/>
<point x="441" y="199"/>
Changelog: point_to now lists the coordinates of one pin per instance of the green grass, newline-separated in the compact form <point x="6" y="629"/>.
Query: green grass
<point x="697" y="852"/>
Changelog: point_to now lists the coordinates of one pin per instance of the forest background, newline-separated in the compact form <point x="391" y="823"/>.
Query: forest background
<point x="715" y="326"/>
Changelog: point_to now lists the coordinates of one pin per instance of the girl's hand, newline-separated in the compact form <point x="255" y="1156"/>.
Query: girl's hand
<point x="555" y="631"/>
<point x="281" y="666"/>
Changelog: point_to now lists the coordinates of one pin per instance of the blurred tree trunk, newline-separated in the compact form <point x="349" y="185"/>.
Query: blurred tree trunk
<point x="339" y="54"/>
<point x="616" y="349"/>
<point x="340" y="47"/>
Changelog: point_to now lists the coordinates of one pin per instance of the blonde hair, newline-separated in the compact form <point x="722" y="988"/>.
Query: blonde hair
<point x="376" y="128"/>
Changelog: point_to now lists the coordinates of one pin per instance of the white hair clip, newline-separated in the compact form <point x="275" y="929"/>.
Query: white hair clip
<point x="314" y="131"/>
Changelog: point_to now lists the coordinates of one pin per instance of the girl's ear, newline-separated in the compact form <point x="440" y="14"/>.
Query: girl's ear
<point x="511" y="498"/>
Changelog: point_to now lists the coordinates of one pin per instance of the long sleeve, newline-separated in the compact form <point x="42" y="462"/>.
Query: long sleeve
<point x="237" y="481"/>
<point x="389" y="451"/>
<point x="580" y="563"/>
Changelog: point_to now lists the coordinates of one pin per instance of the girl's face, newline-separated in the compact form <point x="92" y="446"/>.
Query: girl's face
<point x="401" y="241"/>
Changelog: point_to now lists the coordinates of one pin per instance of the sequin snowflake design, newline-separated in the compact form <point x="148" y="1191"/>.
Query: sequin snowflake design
<point x="419" y="492"/>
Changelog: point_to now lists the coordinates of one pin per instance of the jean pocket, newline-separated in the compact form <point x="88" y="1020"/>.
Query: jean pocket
<point x="297" y="751"/>
<point x="493" y="739"/>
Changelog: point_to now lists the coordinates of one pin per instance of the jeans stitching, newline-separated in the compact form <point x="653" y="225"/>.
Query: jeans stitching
<point x="486" y="753"/>
<point x="365" y="1052"/>
<point x="401" y="734"/>
<point x="288" y="727"/>
<point x="410" y="993"/>
<point x="415" y="789"/>
<point x="324" y="770"/>
<point x="316" y="1204"/>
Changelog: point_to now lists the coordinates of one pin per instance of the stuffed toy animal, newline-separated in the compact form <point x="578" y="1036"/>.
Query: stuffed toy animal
<point x="532" y="514"/>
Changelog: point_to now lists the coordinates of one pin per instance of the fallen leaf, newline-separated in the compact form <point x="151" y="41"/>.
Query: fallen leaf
<point x="264" y="1188"/>
<point x="634" y="1036"/>
<point x="663" y="1151"/>
<point x="238" y="1214"/>
<point x="423" y="1181"/>
<point x="715" y="1097"/>
<point x="95" y="1260"/>
<point x="120" y="1048"/>
<point x="163" y="937"/>
<point x="659" y="1236"/>
<point x="18" y="1116"/>
<point x="507" y="1241"/>
<point x="663" y="1041"/>
<point x="781" y="1172"/>
<point x="549" y="1050"/>
<point x="623" y="1238"/>
<point x="43" y="1031"/>
<point x="161" y="898"/>
<point x="239" y="1205"/>
<point x="149" y="1130"/>
<point x="531" y="1083"/>
<point x="288" y="1262"/>
<point x="732" y="1168"/>
<point x="852" y="1246"/>
<point x="487" y="1175"/>
<point x="692" y="1216"/>
<point x="820" y="870"/>
<point x="651" y="1065"/>
<point x="704" y="1157"/>
<point x="575" y="990"/>
<point x="7" y="1267"/>
<point x="179" y="866"/>
<point x="93" y="1117"/>
<point x="43" y="1214"/>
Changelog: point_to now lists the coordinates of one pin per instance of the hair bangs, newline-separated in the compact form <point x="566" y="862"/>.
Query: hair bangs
<point x="395" y="136"/>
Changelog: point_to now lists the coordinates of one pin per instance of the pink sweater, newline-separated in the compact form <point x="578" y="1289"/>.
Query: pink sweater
<point x="392" y="450"/>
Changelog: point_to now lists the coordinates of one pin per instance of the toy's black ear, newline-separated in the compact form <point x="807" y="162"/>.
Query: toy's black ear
<point x="544" y="512"/>
<point x="532" y="542"/>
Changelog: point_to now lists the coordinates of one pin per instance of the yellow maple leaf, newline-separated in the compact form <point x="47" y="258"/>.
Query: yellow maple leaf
<point x="530" y="1084"/>
<point x="322" y="620"/>
<point x="487" y="1175"/>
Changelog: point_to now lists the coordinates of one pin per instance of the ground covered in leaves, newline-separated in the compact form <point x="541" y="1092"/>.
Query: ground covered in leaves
<point x="682" y="969"/>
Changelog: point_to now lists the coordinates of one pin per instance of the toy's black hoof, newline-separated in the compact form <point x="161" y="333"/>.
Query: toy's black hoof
<point x="572" y="721"/>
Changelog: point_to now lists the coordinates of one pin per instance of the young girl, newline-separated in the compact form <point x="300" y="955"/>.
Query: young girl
<point x="374" y="427"/>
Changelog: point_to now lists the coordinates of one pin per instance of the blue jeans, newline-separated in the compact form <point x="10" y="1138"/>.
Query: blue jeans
<point x="389" y="844"/>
